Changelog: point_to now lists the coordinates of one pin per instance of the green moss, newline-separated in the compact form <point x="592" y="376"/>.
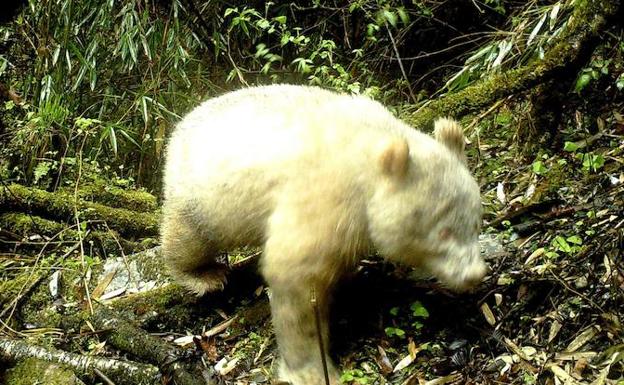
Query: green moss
<point x="27" y="224"/>
<point x="102" y="192"/>
<point x="170" y="303"/>
<point x="61" y="205"/>
<point x="33" y="371"/>
<point x="109" y="241"/>
<point x="38" y="309"/>
<point x="11" y="288"/>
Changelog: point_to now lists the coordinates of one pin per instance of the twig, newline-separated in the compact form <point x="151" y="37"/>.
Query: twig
<point x="103" y="377"/>
<point x="396" y="52"/>
<point x="317" y="319"/>
<point x="486" y="113"/>
<point x="77" y="219"/>
<point x="26" y="288"/>
<point x="567" y="287"/>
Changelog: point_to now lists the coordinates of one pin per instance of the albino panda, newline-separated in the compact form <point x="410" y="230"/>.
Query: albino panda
<point x="318" y="179"/>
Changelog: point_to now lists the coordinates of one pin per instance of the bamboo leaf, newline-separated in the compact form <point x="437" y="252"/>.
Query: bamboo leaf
<point x="537" y="28"/>
<point x="113" y="139"/>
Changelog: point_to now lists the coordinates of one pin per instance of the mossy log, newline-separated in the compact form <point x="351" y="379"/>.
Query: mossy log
<point x="63" y="206"/>
<point x="33" y="371"/>
<point x="113" y="196"/>
<point x="587" y="21"/>
<point x="24" y="225"/>
<point x="128" y="337"/>
<point x="121" y="372"/>
<point x="175" y="306"/>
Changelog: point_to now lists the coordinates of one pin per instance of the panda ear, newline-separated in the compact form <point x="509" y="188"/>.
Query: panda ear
<point x="394" y="158"/>
<point x="450" y="133"/>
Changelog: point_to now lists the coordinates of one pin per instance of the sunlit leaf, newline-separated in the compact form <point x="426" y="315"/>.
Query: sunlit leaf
<point x="582" y="81"/>
<point x="113" y="139"/>
<point x="553" y="15"/>
<point x="570" y="146"/>
<point x="537" y="29"/>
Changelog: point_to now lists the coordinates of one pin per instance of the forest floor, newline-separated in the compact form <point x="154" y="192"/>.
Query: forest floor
<point x="549" y="312"/>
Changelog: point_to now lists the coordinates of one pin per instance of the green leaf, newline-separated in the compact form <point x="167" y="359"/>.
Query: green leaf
<point x="594" y="74"/>
<point x="371" y="29"/>
<point x="575" y="239"/>
<point x="619" y="83"/>
<point x="113" y="139"/>
<point x="582" y="82"/>
<point x="561" y="244"/>
<point x="551" y="255"/>
<point x="570" y="147"/>
<point x="598" y="161"/>
<point x="231" y="75"/>
<point x="263" y="24"/>
<point x="280" y="19"/>
<point x="591" y="162"/>
<point x="394" y="311"/>
<point x="403" y="15"/>
<point x="41" y="170"/>
<point x="391" y="331"/>
<point x="261" y="50"/>
<point x="347" y="377"/>
<point x="539" y="168"/>
<point x="418" y="310"/>
<point x="390" y="17"/>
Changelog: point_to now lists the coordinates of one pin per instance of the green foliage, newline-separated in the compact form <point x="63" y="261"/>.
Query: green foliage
<point x="570" y="146"/>
<point x="122" y="67"/>
<point x="531" y="34"/>
<point x="42" y="169"/>
<point x="356" y="376"/>
<point x="419" y="313"/>
<point x="394" y="331"/>
<point x="560" y="244"/>
<point x="529" y="378"/>
<point x="278" y="44"/>
<point x="596" y="69"/>
<point x="569" y="245"/>
<point x="539" y="168"/>
<point x="414" y="318"/>
<point x="589" y="161"/>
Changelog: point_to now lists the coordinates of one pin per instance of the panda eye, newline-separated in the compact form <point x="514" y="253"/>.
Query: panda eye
<point x="445" y="234"/>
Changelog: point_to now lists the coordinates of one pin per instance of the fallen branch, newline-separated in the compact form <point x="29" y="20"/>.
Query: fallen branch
<point x="60" y="205"/>
<point x="128" y="337"/>
<point x="121" y="372"/>
<point x="24" y="225"/>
